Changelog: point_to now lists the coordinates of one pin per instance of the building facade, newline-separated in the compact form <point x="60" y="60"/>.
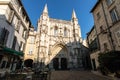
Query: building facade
<point x="106" y="15"/>
<point x="58" y="43"/>
<point x="14" y="27"/>
<point x="30" y="48"/>
<point x="93" y="44"/>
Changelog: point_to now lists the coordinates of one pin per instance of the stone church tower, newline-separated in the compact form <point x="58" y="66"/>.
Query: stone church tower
<point x="58" y="42"/>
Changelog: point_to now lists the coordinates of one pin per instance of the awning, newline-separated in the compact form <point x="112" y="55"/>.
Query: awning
<point x="11" y="51"/>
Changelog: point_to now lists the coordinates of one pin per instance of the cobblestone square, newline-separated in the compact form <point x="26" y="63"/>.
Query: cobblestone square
<point x="77" y="75"/>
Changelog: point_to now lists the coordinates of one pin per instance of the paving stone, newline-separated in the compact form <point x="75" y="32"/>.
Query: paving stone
<point x="76" y="75"/>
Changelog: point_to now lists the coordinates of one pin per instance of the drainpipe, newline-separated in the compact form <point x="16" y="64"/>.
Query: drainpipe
<point x="108" y="28"/>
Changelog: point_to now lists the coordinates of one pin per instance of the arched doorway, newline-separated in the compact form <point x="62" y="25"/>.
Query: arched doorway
<point x="63" y="63"/>
<point x="60" y="57"/>
<point x="56" y="63"/>
<point x="28" y="63"/>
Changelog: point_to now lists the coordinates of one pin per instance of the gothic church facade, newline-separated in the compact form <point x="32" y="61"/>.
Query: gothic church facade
<point x="57" y="43"/>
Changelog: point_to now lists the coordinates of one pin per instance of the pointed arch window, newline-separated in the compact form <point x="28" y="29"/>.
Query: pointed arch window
<point x="65" y="32"/>
<point x="56" y="31"/>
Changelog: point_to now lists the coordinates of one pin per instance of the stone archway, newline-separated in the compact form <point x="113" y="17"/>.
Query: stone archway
<point x="28" y="63"/>
<point x="60" y="57"/>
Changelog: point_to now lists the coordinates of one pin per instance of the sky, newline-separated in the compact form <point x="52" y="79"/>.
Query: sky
<point x="62" y="9"/>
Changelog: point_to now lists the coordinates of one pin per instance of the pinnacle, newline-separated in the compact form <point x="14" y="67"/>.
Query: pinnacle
<point x="74" y="14"/>
<point x="45" y="9"/>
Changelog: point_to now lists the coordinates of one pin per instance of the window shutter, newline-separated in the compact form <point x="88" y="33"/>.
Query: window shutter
<point x="11" y="16"/>
<point x="21" y="46"/>
<point x="14" y="42"/>
<point x="1" y="35"/>
<point x="18" y="25"/>
<point x="114" y="15"/>
<point x="6" y="36"/>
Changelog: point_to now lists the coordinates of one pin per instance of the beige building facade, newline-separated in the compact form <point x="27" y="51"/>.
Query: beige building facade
<point x="93" y="44"/>
<point x="57" y="43"/>
<point x="14" y="27"/>
<point x="30" y="49"/>
<point x="106" y="15"/>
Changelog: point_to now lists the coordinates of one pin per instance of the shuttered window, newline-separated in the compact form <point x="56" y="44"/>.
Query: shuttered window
<point x="114" y="15"/>
<point x="4" y="33"/>
<point x="14" y="43"/>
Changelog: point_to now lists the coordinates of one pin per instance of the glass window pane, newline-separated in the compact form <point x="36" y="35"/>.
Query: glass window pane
<point x="114" y="15"/>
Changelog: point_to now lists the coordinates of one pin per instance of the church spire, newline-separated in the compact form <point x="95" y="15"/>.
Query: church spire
<point x="75" y="24"/>
<point x="74" y="17"/>
<point x="45" y="9"/>
<point x="73" y="14"/>
<point x="45" y="12"/>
